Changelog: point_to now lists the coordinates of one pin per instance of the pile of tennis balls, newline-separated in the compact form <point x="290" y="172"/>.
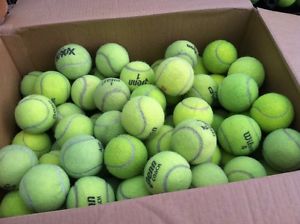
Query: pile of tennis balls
<point x="126" y="129"/>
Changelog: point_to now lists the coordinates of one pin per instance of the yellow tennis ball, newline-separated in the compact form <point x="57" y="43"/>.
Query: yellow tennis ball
<point x="155" y="64"/>
<point x="67" y="109"/>
<point x="216" y="157"/>
<point x="219" y="116"/>
<point x="51" y="157"/>
<point x="285" y="3"/>
<point x="218" y="78"/>
<point x="28" y="83"/>
<point x="199" y="68"/>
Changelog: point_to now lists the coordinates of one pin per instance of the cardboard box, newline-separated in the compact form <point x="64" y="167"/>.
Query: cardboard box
<point x="36" y="29"/>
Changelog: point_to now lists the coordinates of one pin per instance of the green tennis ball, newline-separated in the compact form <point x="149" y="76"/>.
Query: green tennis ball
<point x="237" y="92"/>
<point x="142" y="116"/>
<point x="192" y="108"/>
<point x="137" y="73"/>
<point x="218" y="56"/>
<point x="15" y="161"/>
<point x="174" y="76"/>
<point x="82" y="91"/>
<point x="51" y="157"/>
<point x="208" y="174"/>
<point x="44" y="187"/>
<point x="67" y="109"/>
<point x="249" y="66"/>
<point x="81" y="155"/>
<point x="269" y="170"/>
<point x="160" y="141"/>
<point x="169" y="120"/>
<point x="151" y="91"/>
<point x="38" y="143"/>
<point x="218" y="78"/>
<point x="94" y="117"/>
<point x="183" y="49"/>
<point x="72" y="125"/>
<point x="108" y="126"/>
<point x="244" y="168"/>
<point x="73" y="61"/>
<point x="219" y="116"/>
<point x="195" y="140"/>
<point x="13" y="205"/>
<point x="239" y="135"/>
<point x="199" y="68"/>
<point x="98" y="74"/>
<point x="35" y="114"/>
<point x="134" y="187"/>
<point x="216" y="157"/>
<point x="225" y="157"/>
<point x="155" y="64"/>
<point x="28" y="83"/>
<point x="53" y="85"/>
<point x="111" y="94"/>
<point x="285" y="3"/>
<point x="272" y="111"/>
<point x="110" y="59"/>
<point x="281" y="149"/>
<point x="166" y="172"/>
<point x="89" y="191"/>
<point x="204" y="87"/>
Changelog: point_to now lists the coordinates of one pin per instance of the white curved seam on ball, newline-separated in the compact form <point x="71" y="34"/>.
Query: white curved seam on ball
<point x="61" y="67"/>
<point x="165" y="180"/>
<point x="241" y="171"/>
<point x="163" y="69"/>
<point x="107" y="94"/>
<point x="272" y="116"/>
<point x="195" y="108"/>
<point x="122" y="193"/>
<point x="225" y="138"/>
<point x="108" y="62"/>
<point x="83" y="91"/>
<point x="60" y="177"/>
<point x="188" y="83"/>
<point x="29" y="200"/>
<point x="160" y="139"/>
<point x="218" y="57"/>
<point x="66" y="129"/>
<point x="189" y="56"/>
<point x="143" y="117"/>
<point x="136" y="70"/>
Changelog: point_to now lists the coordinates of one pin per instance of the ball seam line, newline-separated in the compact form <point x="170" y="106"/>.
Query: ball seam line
<point x="189" y="56"/>
<point x="29" y="199"/>
<point x="101" y="106"/>
<point x="83" y="91"/>
<point x="115" y="73"/>
<point x="194" y="108"/>
<point x="165" y="180"/>
<point x="139" y="102"/>
<point x="291" y="138"/>
<point x="241" y="171"/>
<point x="158" y="75"/>
<point x="66" y="128"/>
<point x="60" y="177"/>
<point x="221" y="131"/>
<point x="122" y="193"/>
<point x="61" y="67"/>
<point x="160" y="139"/>
<point x="271" y="116"/>
<point x="217" y="55"/>
<point x="187" y="83"/>
<point x="41" y="84"/>
<point x="136" y="70"/>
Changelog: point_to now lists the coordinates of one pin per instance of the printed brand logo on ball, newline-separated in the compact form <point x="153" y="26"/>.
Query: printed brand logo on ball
<point x="152" y="173"/>
<point x="249" y="140"/>
<point x="65" y="52"/>
<point x="92" y="200"/>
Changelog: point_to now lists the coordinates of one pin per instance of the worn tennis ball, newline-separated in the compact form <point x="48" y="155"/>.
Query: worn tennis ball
<point x="111" y="58"/>
<point x="82" y="91"/>
<point x="183" y="49"/>
<point x="269" y="170"/>
<point x="38" y="143"/>
<point x="244" y="168"/>
<point x="155" y="64"/>
<point x="51" y="157"/>
<point x="142" y="116"/>
<point x="125" y="156"/>
<point x="218" y="56"/>
<point x="174" y="76"/>
<point x="108" y="126"/>
<point x="192" y="108"/>
<point x="67" y="109"/>
<point x="208" y="174"/>
<point x="151" y="91"/>
<point x="111" y="94"/>
<point x="239" y="135"/>
<point x="166" y="172"/>
<point x="98" y="74"/>
<point x="134" y="187"/>
<point x="281" y="149"/>
<point x="89" y="191"/>
<point x="72" y="125"/>
<point x="272" y="111"/>
<point x="137" y="73"/>
<point x="216" y="157"/>
<point x="218" y="78"/>
<point x="249" y="66"/>
<point x="35" y="114"/>
<point x="15" y="161"/>
<point x="219" y="116"/>
<point x="195" y="140"/>
<point x="285" y="3"/>
<point x="13" y="205"/>
<point x="28" y="83"/>
<point x="73" y="61"/>
<point x="199" y="68"/>
<point x="204" y="87"/>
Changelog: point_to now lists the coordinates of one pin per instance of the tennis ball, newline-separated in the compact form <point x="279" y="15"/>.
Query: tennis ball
<point x="111" y="94"/>
<point x="219" y="116"/>
<point x="72" y="125"/>
<point x="73" y="61"/>
<point x="67" y="109"/>
<point x="216" y="157"/>
<point x="44" y="187"/>
<point x="81" y="155"/>
<point x="244" y="168"/>
<point x="160" y="141"/>
<point x="137" y="73"/>
<point x="125" y="156"/>
<point x="155" y="64"/>
<point x="108" y="126"/>
<point x="35" y="114"/>
<point x="204" y="87"/>
<point x="169" y="120"/>
<point x="13" y="205"/>
<point x="272" y="111"/>
<point x="88" y="191"/>
<point x="98" y="74"/>
<point x="269" y="170"/>
<point x="38" y="143"/>
<point x="226" y="157"/>
<point x="249" y="66"/>
<point x="208" y="174"/>
<point x="53" y="85"/>
<point x="51" y="157"/>
<point x="281" y="149"/>
<point x="285" y="3"/>
<point x="166" y="172"/>
<point x="218" y="78"/>
<point x="173" y="100"/>
<point x="218" y="56"/>
<point x="82" y="91"/>
<point x="15" y="161"/>
<point x="134" y="187"/>
<point x="183" y="49"/>
<point x="239" y="135"/>
<point x="142" y="116"/>
<point x="195" y="140"/>
<point x="94" y="117"/>
<point x="151" y="91"/>
<point x="110" y="59"/>
<point x="28" y="83"/>
<point x="174" y="76"/>
<point x="199" y="68"/>
<point x="192" y="108"/>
